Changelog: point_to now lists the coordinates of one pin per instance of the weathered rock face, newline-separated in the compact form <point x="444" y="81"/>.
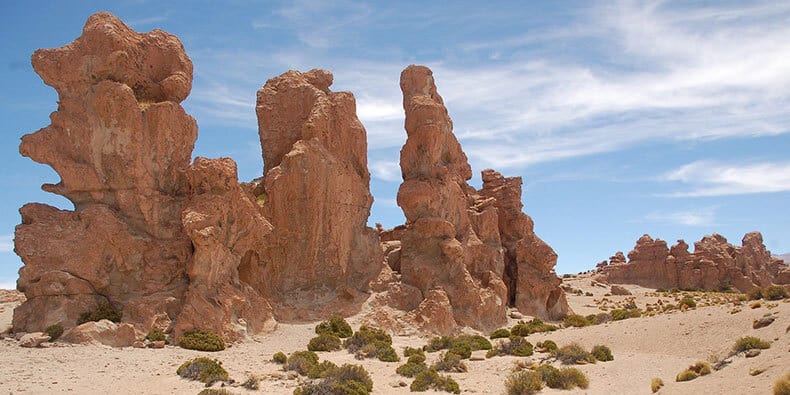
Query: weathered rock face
<point x="119" y="141"/>
<point x="533" y="286"/>
<point x="456" y="251"/>
<point x="714" y="264"/>
<point x="317" y="198"/>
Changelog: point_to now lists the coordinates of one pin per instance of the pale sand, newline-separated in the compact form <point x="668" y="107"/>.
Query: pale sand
<point x="643" y="348"/>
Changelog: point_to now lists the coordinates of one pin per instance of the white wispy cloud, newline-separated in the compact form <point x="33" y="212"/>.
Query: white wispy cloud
<point x="705" y="216"/>
<point x="712" y="178"/>
<point x="6" y="243"/>
<point x="138" y="23"/>
<point x="385" y="170"/>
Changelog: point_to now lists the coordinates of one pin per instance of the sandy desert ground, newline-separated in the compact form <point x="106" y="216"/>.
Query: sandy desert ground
<point x="644" y="348"/>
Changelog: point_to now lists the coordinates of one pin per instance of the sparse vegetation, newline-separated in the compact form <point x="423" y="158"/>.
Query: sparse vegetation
<point x="750" y="342"/>
<point x="576" y="320"/>
<point x="623" y="314"/>
<point x="656" y="384"/>
<point x="602" y="353"/>
<point x="54" y="331"/>
<point x="515" y="345"/>
<point x="534" y="326"/>
<point x="371" y="342"/>
<point x="252" y="383"/>
<point x="201" y="340"/>
<point x="574" y="354"/>
<point x="450" y="362"/>
<point x="345" y="380"/>
<point x="104" y="311"/>
<point x="547" y="346"/>
<point x="523" y="383"/>
<point x="336" y="326"/>
<point x="431" y="379"/>
<point x="203" y="369"/>
<point x="782" y="385"/>
<point x="687" y="301"/>
<point x="502" y="333"/>
<point x="775" y="292"/>
<point x="324" y="342"/>
<point x="301" y="362"/>
<point x="279" y="357"/>
<point x="155" y="335"/>
<point x="694" y="371"/>
<point x="409" y="351"/>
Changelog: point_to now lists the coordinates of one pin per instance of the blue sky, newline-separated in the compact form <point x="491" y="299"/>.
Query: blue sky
<point x="624" y="118"/>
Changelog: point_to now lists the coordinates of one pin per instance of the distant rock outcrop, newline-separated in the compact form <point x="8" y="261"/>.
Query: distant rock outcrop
<point x="464" y="255"/>
<point x="714" y="264"/>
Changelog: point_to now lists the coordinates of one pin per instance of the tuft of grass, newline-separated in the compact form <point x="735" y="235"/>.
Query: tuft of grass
<point x="252" y="383"/>
<point x="547" y="346"/>
<point x="750" y="342"/>
<point x="688" y="301"/>
<point x="534" y="326"/>
<point x="155" y="335"/>
<point x="572" y="377"/>
<point x="624" y="314"/>
<point x="324" y="342"/>
<point x="335" y="325"/>
<point x="656" y="384"/>
<point x="215" y="391"/>
<point x="104" y="311"/>
<point x="203" y="369"/>
<point x="775" y="292"/>
<point x="279" y="357"/>
<point x="577" y="321"/>
<point x="450" y="362"/>
<point x="782" y="385"/>
<point x="54" y="331"/>
<point x="430" y="379"/>
<point x="692" y="372"/>
<point x="523" y="383"/>
<point x="502" y="333"/>
<point x="574" y="354"/>
<point x="301" y="362"/>
<point x="602" y="353"/>
<point x="201" y="340"/>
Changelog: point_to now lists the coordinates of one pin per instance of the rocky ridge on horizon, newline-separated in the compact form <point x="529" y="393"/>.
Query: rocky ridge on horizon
<point x="714" y="264"/>
<point x="179" y="245"/>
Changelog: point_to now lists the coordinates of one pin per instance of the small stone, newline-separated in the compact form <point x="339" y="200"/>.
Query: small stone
<point x="138" y="344"/>
<point x="31" y="340"/>
<point x="752" y="353"/>
<point x="157" y="344"/>
<point x="762" y="322"/>
<point x="516" y="315"/>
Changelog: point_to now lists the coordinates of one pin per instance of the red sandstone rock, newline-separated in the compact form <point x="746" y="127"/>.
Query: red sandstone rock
<point x="714" y="264"/>
<point x="617" y="259"/>
<point x="103" y="332"/>
<point x="119" y="141"/>
<point x="315" y="193"/>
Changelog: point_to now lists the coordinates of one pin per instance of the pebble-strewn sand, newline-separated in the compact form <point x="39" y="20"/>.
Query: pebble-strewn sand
<point x="659" y="346"/>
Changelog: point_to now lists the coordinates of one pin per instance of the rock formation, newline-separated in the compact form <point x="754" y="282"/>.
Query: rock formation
<point x="315" y="192"/>
<point x="464" y="254"/>
<point x="715" y="264"/>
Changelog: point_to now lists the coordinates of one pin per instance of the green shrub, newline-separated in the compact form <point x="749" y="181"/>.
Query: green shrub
<point x="572" y="377"/>
<point x="523" y="383"/>
<point x="336" y="326"/>
<point x="409" y="351"/>
<point x="450" y="362"/>
<point x="775" y="292"/>
<point x="385" y="353"/>
<point x="438" y="343"/>
<point x="573" y="354"/>
<point x="252" y="383"/>
<point x="321" y="370"/>
<point x="602" y="353"/>
<point x="430" y="379"/>
<point x="547" y="345"/>
<point x="463" y="350"/>
<point x="656" y="384"/>
<point x="104" y="311"/>
<point x="750" y="342"/>
<point x="366" y="336"/>
<point x="688" y="301"/>
<point x="198" y="339"/>
<point x="782" y="385"/>
<point x="279" y="357"/>
<point x="503" y="333"/>
<point x="203" y="369"/>
<point x="534" y="326"/>
<point x="754" y="293"/>
<point x="156" y="335"/>
<point x="476" y="342"/>
<point x="576" y="321"/>
<point x="54" y="331"/>
<point x="415" y="365"/>
<point x="324" y="342"/>
<point x="550" y="375"/>
<point x="345" y="380"/>
<point x="623" y="314"/>
<point x="515" y="345"/>
<point x="301" y="362"/>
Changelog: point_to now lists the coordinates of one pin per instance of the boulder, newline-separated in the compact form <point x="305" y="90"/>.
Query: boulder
<point x="618" y="290"/>
<point x="33" y="340"/>
<point x="103" y="332"/>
